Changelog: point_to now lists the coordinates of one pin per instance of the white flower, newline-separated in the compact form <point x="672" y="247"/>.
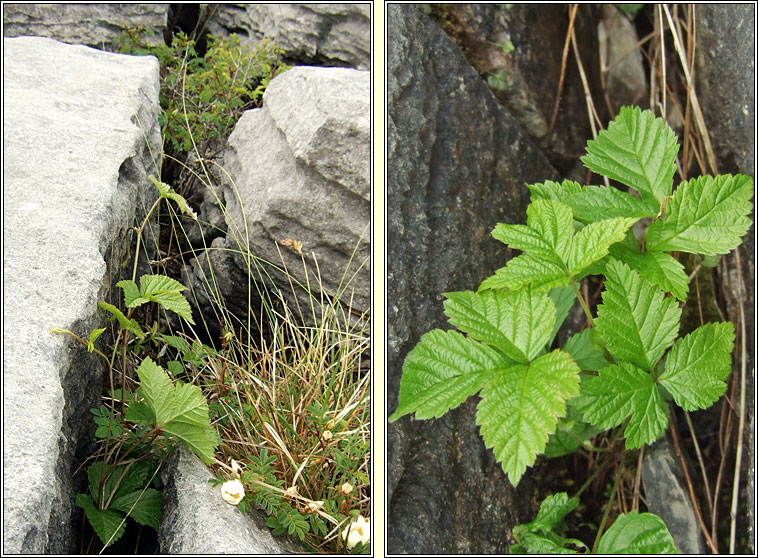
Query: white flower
<point x="232" y="492"/>
<point x="327" y="434"/>
<point x="347" y="488"/>
<point x="314" y="506"/>
<point x="358" y="532"/>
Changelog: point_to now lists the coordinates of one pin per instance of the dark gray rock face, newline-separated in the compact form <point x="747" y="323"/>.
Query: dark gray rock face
<point x="319" y="34"/>
<point x="87" y="24"/>
<point x="457" y="165"/>
<point x="526" y="79"/>
<point x="662" y="475"/>
<point x="197" y="521"/>
<point x="75" y="165"/>
<point x="726" y="78"/>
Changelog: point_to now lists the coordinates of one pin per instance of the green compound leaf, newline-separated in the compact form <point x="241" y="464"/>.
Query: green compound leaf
<point x="697" y="365"/>
<point x="146" y="508"/>
<point x="637" y="533"/>
<point x="157" y="288"/>
<point x="180" y="410"/>
<point x="541" y="536"/>
<point x="595" y="203"/>
<point x="521" y="406"/>
<point x="638" y="150"/>
<point x="516" y="322"/>
<point x="550" y="190"/>
<point x="705" y="215"/>
<point x="104" y="522"/>
<point x="619" y="391"/>
<point x="635" y="320"/>
<point x="658" y="268"/>
<point x="126" y="323"/>
<point x="552" y="253"/>
<point x="571" y="433"/>
<point x="132" y="295"/>
<point x="442" y="370"/>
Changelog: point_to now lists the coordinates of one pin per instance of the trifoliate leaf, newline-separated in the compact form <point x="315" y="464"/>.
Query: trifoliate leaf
<point x="705" y="215"/>
<point x="146" y="508"/>
<point x="132" y="295"/>
<point x="180" y="410"/>
<point x="442" y="371"/>
<point x="516" y="322"/>
<point x="552" y="253"/>
<point x="157" y="288"/>
<point x="104" y="522"/>
<point x="595" y="203"/>
<point x="542" y="536"/>
<point x="697" y="365"/>
<point x="619" y="391"/>
<point x="658" y="268"/>
<point x="550" y="190"/>
<point x="584" y="353"/>
<point x="635" y="320"/>
<point x="637" y="533"/>
<point x="126" y="323"/>
<point x="521" y="406"/>
<point x="638" y="150"/>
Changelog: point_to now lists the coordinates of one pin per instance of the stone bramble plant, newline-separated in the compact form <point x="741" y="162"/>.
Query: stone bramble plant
<point x="630" y="364"/>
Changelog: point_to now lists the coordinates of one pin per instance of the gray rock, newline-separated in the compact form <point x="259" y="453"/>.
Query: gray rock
<point x="197" y="521"/>
<point x="319" y="34"/>
<point x="625" y="81"/>
<point x="74" y="171"/>
<point x="726" y="79"/>
<point x="662" y="475"/>
<point x="457" y="165"/>
<point x="95" y="25"/>
<point x="301" y="171"/>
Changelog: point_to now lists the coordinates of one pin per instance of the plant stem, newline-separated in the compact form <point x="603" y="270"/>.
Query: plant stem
<point x="582" y="302"/>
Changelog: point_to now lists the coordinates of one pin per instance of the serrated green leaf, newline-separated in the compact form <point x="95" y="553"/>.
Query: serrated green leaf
<point x="146" y="508"/>
<point x="550" y="190"/>
<point x="658" y="268"/>
<point x="521" y="406"/>
<point x="635" y="320"/>
<point x="592" y="242"/>
<point x="571" y="433"/>
<point x="180" y="410"/>
<point x="151" y="284"/>
<point x="541" y="536"/>
<point x="697" y="365"/>
<point x="638" y="150"/>
<point x="552" y="252"/>
<point x="175" y="302"/>
<point x="132" y="295"/>
<point x="442" y="371"/>
<point x="552" y="511"/>
<point x="166" y="292"/>
<point x="104" y="522"/>
<point x="595" y="203"/>
<point x="620" y="391"/>
<point x="705" y="215"/>
<point x="525" y="270"/>
<point x="163" y="188"/>
<point x="139" y="412"/>
<point x="125" y="323"/>
<point x="637" y="533"/>
<point x="516" y="322"/>
<point x="584" y="352"/>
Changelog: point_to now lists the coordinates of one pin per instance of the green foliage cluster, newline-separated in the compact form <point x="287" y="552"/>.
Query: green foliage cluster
<point x="629" y="366"/>
<point x="202" y="97"/>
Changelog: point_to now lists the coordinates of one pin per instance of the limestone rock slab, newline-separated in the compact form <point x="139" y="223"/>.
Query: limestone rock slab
<point x="197" y="521"/>
<point x="300" y="167"/>
<point x="457" y="165"/>
<point x="74" y="166"/>
<point x="320" y="34"/>
<point x="95" y="25"/>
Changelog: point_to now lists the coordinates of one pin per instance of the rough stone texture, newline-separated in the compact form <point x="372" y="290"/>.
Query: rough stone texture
<point x="197" y="521"/>
<point x="301" y="169"/>
<point x="457" y="165"/>
<point x="662" y="474"/>
<point x="726" y="79"/>
<point x="318" y="34"/>
<point x="95" y="25"/>
<point x="625" y="81"/>
<point x="74" y="170"/>
<point x="525" y="80"/>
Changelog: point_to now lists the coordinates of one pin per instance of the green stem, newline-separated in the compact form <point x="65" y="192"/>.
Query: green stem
<point x="582" y="302"/>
